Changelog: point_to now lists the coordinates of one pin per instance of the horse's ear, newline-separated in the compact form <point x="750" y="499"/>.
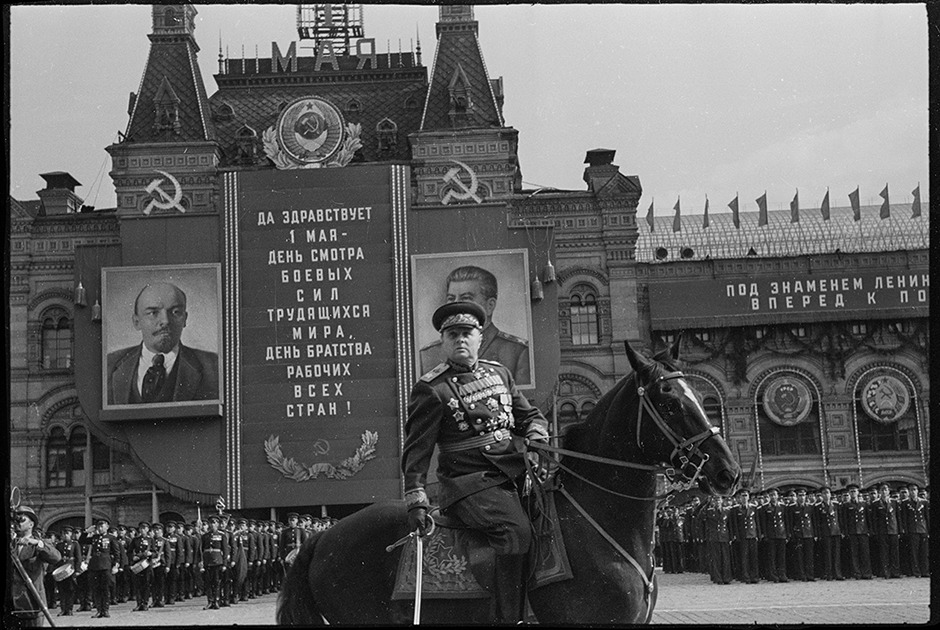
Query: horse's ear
<point x="637" y="361"/>
<point x="674" y="350"/>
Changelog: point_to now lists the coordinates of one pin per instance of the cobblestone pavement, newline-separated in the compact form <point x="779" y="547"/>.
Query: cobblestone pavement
<point x="688" y="598"/>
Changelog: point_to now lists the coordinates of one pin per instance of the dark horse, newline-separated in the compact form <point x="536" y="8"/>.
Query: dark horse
<point x="345" y="576"/>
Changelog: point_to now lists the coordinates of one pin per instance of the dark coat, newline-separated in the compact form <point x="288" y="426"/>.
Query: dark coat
<point x="195" y="376"/>
<point x="855" y="518"/>
<point x="35" y="559"/>
<point x="104" y="551"/>
<point x="451" y="404"/>
<point x="828" y="519"/>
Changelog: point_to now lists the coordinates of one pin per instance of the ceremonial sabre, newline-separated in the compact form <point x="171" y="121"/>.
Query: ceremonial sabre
<point x="419" y="566"/>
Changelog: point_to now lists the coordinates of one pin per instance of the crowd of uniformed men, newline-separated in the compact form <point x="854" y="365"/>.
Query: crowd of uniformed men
<point x="801" y="535"/>
<point x="226" y="559"/>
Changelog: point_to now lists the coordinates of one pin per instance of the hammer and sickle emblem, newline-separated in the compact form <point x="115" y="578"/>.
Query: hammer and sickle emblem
<point x="469" y="192"/>
<point x="168" y="201"/>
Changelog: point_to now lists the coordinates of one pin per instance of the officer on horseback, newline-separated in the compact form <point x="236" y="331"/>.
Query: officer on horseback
<point x="468" y="407"/>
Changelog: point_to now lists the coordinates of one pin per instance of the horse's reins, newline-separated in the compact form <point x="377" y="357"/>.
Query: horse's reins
<point x="682" y="448"/>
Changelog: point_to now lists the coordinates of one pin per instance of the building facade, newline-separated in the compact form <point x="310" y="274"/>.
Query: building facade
<point x="805" y="392"/>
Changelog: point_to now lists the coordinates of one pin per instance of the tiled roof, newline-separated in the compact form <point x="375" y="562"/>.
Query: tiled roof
<point x="175" y="60"/>
<point x="459" y="47"/>
<point x="811" y="235"/>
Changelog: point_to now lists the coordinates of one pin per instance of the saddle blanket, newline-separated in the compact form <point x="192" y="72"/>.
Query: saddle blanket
<point x="458" y="563"/>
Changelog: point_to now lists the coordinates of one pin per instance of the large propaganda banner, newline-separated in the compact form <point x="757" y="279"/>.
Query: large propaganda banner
<point x="318" y="335"/>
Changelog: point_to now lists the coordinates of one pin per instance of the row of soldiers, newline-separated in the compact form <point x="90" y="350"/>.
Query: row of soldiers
<point x="803" y="536"/>
<point x="225" y="558"/>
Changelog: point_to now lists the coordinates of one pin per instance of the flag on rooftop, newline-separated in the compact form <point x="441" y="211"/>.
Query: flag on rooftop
<point x="795" y="208"/>
<point x="649" y="217"/>
<point x="856" y="207"/>
<point x="677" y="222"/>
<point x="885" y="207"/>
<point x="915" y="209"/>
<point x="762" y="209"/>
<point x="824" y="208"/>
<point x="735" y="217"/>
<point x="705" y="219"/>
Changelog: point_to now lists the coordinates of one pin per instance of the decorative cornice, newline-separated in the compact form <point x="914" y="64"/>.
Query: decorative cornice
<point x="582" y="380"/>
<point x="570" y="272"/>
<point x="55" y="293"/>
<point x="852" y="380"/>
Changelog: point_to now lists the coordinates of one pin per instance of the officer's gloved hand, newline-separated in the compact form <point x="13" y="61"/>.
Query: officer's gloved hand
<point x="418" y="520"/>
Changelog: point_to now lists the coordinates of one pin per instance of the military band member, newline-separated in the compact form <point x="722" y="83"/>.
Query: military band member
<point x="142" y="549"/>
<point x="241" y="541"/>
<point x="187" y="547"/>
<point x="744" y="532"/>
<point x="215" y="559"/>
<point x="469" y="408"/>
<point x="158" y="565"/>
<point x="277" y="570"/>
<point x="103" y="555"/>
<point x="71" y="553"/>
<point x="292" y="537"/>
<point x="172" y="557"/>
<point x="199" y="588"/>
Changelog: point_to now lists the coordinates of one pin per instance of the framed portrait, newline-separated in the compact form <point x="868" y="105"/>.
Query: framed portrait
<point x="498" y="280"/>
<point x="161" y="341"/>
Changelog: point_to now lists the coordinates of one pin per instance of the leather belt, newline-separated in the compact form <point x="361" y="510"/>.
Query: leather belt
<point x="475" y="442"/>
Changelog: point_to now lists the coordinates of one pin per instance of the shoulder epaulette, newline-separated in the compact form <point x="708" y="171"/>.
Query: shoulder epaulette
<point x="488" y="362"/>
<point x="434" y="373"/>
<point x="509" y="337"/>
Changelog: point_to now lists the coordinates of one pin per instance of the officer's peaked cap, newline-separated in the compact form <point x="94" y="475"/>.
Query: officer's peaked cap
<point x="30" y="513"/>
<point x="452" y="314"/>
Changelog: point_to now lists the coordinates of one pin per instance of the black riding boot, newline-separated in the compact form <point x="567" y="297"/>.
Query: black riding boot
<point x="509" y="570"/>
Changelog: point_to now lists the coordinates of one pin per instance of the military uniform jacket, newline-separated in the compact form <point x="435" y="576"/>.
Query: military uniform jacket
<point x="34" y="559"/>
<point x="172" y="555"/>
<point x="773" y="523"/>
<point x="500" y="347"/>
<point x="215" y="549"/>
<point x="139" y="548"/>
<point x="828" y="517"/>
<point x="159" y="552"/>
<point x="800" y="519"/>
<point x="913" y="515"/>
<point x="716" y="524"/>
<point x="71" y="553"/>
<point x="103" y="551"/>
<point x="855" y="518"/>
<point x="451" y="404"/>
<point x="186" y="549"/>
<point x="743" y="522"/>
<point x="884" y="518"/>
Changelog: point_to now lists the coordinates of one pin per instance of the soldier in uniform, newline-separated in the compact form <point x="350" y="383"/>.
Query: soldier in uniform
<point x="829" y="535"/>
<point x="292" y="537"/>
<point x="913" y="512"/>
<point x="241" y="541"/>
<point x="35" y="555"/>
<point x="276" y="563"/>
<point x="103" y="555"/>
<point x="469" y="408"/>
<point x="774" y="529"/>
<point x="158" y="564"/>
<point x="142" y="549"/>
<point x="718" y="539"/>
<point x="71" y="553"/>
<point x="198" y="584"/>
<point x="855" y="518"/>
<point x="186" y="562"/>
<point x="215" y="558"/>
<point x="743" y="520"/>
<point x="885" y="529"/>
<point x="474" y="284"/>
<point x="802" y="533"/>
<point x="172" y="558"/>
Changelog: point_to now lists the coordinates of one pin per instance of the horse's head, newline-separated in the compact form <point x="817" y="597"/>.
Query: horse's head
<point x="672" y="426"/>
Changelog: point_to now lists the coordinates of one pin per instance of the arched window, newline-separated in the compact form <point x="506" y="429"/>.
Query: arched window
<point x="586" y="408"/>
<point x="712" y="407"/>
<point x="583" y="316"/>
<point x="567" y="415"/>
<point x="56" y="332"/>
<point x="386" y="135"/>
<point x="57" y="464"/>
<point x="886" y="415"/>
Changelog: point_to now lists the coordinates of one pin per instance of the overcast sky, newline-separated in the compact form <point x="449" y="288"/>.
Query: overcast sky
<point x="695" y="99"/>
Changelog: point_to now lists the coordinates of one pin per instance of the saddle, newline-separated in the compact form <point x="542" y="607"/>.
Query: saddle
<point x="459" y="564"/>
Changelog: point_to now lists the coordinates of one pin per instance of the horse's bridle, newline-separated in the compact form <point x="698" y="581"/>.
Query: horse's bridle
<point x="686" y="455"/>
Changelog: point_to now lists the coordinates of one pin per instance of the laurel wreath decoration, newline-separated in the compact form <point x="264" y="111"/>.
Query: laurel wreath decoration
<point x="298" y="471"/>
<point x="351" y="144"/>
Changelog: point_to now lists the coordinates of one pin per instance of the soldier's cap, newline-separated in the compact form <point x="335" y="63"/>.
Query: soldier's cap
<point x="213" y="517"/>
<point x="291" y="515"/>
<point x="799" y="491"/>
<point x="306" y="517"/>
<point x="30" y="513"/>
<point x="914" y="485"/>
<point x="102" y="519"/>
<point x="239" y="521"/>
<point x="852" y="486"/>
<point x="143" y="524"/>
<point x="467" y="314"/>
<point x="158" y="526"/>
<point x="68" y="529"/>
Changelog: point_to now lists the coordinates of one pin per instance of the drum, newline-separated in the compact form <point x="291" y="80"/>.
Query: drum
<point x="291" y="555"/>
<point x="137" y="567"/>
<point x="63" y="572"/>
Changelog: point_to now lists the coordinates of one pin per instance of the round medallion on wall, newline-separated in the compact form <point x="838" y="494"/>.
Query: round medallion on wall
<point x="885" y="398"/>
<point x="310" y="130"/>
<point x="787" y="400"/>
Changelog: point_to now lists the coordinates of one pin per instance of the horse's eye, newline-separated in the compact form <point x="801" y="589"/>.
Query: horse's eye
<point x="667" y="387"/>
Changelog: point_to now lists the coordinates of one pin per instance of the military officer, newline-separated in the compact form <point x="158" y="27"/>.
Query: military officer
<point x="142" y="549"/>
<point x="913" y="512"/>
<point x="71" y="553"/>
<point x="276" y="563"/>
<point x="855" y="518"/>
<point x="469" y="408"/>
<point x="215" y="558"/>
<point x="172" y="557"/>
<point x="158" y="565"/>
<point x="743" y="522"/>
<point x="718" y="538"/>
<point x="802" y="533"/>
<point x="103" y="555"/>
<point x="774" y="530"/>
<point x="885" y="528"/>
<point x="829" y="535"/>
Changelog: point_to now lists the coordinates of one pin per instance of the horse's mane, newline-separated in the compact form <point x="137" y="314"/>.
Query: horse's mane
<point x="579" y="433"/>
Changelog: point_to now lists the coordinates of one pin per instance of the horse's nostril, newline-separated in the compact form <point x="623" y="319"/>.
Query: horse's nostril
<point x="726" y="478"/>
